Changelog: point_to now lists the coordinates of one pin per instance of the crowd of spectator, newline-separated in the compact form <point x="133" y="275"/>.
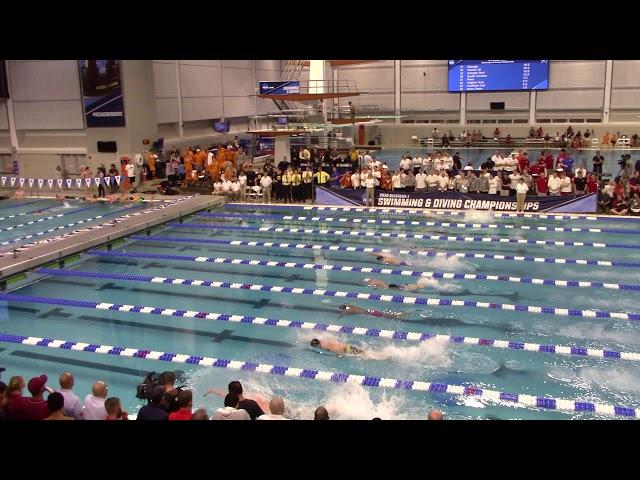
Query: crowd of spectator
<point x="164" y="401"/>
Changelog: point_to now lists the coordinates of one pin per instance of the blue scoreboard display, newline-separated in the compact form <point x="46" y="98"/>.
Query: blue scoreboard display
<point x="492" y="75"/>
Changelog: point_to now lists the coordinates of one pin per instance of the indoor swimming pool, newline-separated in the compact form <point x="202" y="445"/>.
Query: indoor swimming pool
<point x="504" y="316"/>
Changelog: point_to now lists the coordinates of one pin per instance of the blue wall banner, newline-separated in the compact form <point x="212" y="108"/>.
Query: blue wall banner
<point x="102" y="98"/>
<point x="279" y="88"/>
<point x="453" y="200"/>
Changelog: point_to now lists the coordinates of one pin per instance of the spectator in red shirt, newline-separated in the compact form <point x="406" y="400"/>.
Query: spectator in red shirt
<point x="592" y="183"/>
<point x="36" y="407"/>
<point x="548" y="160"/>
<point x="541" y="185"/>
<point x="634" y="183"/>
<point x="185" y="402"/>
<point x="14" y="408"/>
<point x="523" y="162"/>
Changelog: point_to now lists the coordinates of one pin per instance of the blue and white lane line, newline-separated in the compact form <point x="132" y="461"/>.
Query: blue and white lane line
<point x="416" y="236"/>
<point x="68" y="225"/>
<point x="501" y="398"/>
<point x="425" y="253"/>
<point x="377" y="221"/>
<point x="344" y="329"/>
<point x="437" y="302"/>
<point x="32" y="211"/>
<point x="44" y="219"/>
<point x="383" y="271"/>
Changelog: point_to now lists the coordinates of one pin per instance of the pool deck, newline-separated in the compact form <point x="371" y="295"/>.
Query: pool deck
<point x="48" y="252"/>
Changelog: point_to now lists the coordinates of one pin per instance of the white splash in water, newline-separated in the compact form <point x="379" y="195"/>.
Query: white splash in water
<point x="66" y="204"/>
<point x="621" y="379"/>
<point x="437" y="285"/>
<point x="455" y="264"/>
<point x="479" y="216"/>
<point x="434" y="352"/>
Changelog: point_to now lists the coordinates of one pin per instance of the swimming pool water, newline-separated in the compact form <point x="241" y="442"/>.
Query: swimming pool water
<point x="600" y="380"/>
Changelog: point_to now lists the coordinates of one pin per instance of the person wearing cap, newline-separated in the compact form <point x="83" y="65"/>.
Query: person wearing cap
<point x="93" y="408"/>
<point x="154" y="410"/>
<point x="36" y="407"/>
<point x="72" y="404"/>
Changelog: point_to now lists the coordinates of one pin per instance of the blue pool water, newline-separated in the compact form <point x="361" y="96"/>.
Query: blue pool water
<point x="601" y="380"/>
<point x="29" y="220"/>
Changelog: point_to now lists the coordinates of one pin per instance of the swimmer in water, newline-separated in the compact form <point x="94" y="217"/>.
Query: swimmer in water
<point x="354" y="310"/>
<point x="388" y="259"/>
<point x="375" y="283"/>
<point x="337" y="347"/>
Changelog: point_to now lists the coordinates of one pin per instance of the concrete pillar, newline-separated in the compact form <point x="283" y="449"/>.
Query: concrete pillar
<point x="282" y="149"/>
<point x="316" y="76"/>
<point x="607" y="91"/>
<point x="532" y="107"/>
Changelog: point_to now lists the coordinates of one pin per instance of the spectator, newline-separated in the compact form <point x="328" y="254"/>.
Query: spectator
<point x="93" y="408"/>
<point x="566" y="187"/>
<point x="14" y="407"/>
<point x="36" y="407"/>
<point x="541" y="185"/>
<point x="72" y="404"/>
<point x="185" y="401"/>
<point x="55" y="403"/>
<point x="592" y="183"/>
<point x="435" y="415"/>
<point x="634" y="205"/>
<point x="321" y="413"/>
<point x="521" y="194"/>
<point x="231" y="410"/>
<point x="276" y="406"/>
<point x="170" y="400"/>
<point x="251" y="406"/>
<point x="200" y="414"/>
<point x="554" y="184"/>
<point x="3" y="400"/>
<point x="604" y="201"/>
<point x="114" y="409"/>
<point x="154" y="410"/>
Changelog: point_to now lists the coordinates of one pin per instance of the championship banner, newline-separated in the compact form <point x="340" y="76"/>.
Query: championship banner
<point x="13" y="181"/>
<point x="471" y="201"/>
<point x="453" y="200"/>
<point x="117" y="179"/>
<point x="40" y="183"/>
<point x="108" y="180"/>
<point x="50" y="182"/>
<point x="4" y="179"/>
<point x="31" y="181"/>
<point x="102" y="93"/>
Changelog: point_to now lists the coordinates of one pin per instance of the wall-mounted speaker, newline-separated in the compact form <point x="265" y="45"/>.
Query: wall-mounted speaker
<point x="107" y="147"/>
<point x="497" y="105"/>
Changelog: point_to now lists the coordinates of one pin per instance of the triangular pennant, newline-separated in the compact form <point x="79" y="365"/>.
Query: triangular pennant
<point x="97" y="180"/>
<point x="4" y="179"/>
<point x="60" y="182"/>
<point x="31" y="180"/>
<point x="50" y="182"/>
<point x="13" y="181"/>
<point x="40" y="183"/>
<point x="117" y="179"/>
<point x="108" y="180"/>
<point x="79" y="182"/>
<point x="69" y="182"/>
<point x="22" y="180"/>
<point x="88" y="182"/>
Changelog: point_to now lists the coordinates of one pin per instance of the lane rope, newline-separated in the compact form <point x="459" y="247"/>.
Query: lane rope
<point x="425" y="253"/>
<point x="501" y="398"/>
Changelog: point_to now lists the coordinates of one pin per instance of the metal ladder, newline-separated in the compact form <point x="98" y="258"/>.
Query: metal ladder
<point x="292" y="71"/>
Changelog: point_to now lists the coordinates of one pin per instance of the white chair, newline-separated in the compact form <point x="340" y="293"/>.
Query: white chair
<point x="414" y="140"/>
<point x="595" y="143"/>
<point x="623" y="143"/>
<point x="255" y="193"/>
<point x="430" y="142"/>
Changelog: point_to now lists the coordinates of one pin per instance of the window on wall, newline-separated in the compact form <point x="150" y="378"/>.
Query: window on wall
<point x="72" y="163"/>
<point x="6" y="163"/>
